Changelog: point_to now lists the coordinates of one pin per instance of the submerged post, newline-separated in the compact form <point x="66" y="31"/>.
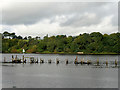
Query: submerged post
<point x="49" y="61"/>
<point x="57" y="61"/>
<point x="81" y="61"/>
<point x="12" y="58"/>
<point x="76" y="60"/>
<point x="23" y="58"/>
<point x="115" y="63"/>
<point x="67" y="61"/>
<point x="41" y="61"/>
<point x="36" y="60"/>
<point x="97" y="62"/>
<point x="106" y="62"/>
<point x="88" y="62"/>
<point x="16" y="57"/>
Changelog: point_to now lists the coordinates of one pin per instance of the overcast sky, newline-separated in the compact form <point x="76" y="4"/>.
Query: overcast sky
<point x="53" y="18"/>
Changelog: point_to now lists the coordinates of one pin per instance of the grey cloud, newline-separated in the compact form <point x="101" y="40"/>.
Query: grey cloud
<point x="31" y="13"/>
<point x="84" y="20"/>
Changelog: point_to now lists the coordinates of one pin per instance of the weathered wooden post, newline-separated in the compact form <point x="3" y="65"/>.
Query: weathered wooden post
<point x="12" y="58"/>
<point x="49" y="61"/>
<point x="37" y="60"/>
<point x="81" y="61"/>
<point x="16" y="57"/>
<point x="76" y="60"/>
<point x="88" y="62"/>
<point x="106" y="62"/>
<point x="67" y="61"/>
<point x="97" y="62"/>
<point x="41" y="61"/>
<point x="115" y="63"/>
<point x="23" y="58"/>
<point x="57" y="61"/>
<point x="32" y="60"/>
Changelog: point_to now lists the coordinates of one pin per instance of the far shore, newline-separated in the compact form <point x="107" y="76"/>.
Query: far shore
<point x="70" y="53"/>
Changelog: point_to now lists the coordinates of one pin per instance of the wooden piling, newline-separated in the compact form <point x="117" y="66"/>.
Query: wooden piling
<point x="41" y="61"/>
<point x="88" y="62"/>
<point x="12" y="58"/>
<point x="57" y="61"/>
<point x="37" y="60"/>
<point x="106" y="62"/>
<point x="32" y="60"/>
<point x="23" y="58"/>
<point x="76" y="60"/>
<point x="115" y="63"/>
<point x="81" y="61"/>
<point x="16" y="57"/>
<point x="97" y="62"/>
<point x="67" y="61"/>
<point x="49" y="61"/>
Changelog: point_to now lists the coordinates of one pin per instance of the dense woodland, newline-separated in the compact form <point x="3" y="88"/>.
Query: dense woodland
<point x="93" y="43"/>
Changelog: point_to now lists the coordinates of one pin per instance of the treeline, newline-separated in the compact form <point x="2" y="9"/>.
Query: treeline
<point x="93" y="43"/>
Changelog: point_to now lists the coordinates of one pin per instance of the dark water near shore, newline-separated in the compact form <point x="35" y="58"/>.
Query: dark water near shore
<point x="61" y="75"/>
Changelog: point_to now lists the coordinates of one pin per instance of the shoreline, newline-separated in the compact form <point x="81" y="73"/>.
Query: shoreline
<point x="64" y="53"/>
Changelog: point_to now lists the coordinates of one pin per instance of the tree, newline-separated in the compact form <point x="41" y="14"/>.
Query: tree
<point x="29" y="37"/>
<point x="19" y="37"/>
<point x="6" y="34"/>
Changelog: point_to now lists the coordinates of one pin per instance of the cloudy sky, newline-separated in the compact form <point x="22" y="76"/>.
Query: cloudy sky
<point x="53" y="18"/>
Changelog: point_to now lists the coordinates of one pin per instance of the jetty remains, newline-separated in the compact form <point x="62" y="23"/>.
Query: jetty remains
<point x="24" y="59"/>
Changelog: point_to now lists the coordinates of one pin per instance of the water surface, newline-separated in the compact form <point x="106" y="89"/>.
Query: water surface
<point x="61" y="75"/>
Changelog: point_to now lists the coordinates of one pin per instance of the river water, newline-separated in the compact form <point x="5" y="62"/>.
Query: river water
<point x="60" y="75"/>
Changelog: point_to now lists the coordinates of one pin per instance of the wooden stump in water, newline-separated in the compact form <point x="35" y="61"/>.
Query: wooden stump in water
<point x="50" y="61"/>
<point x="115" y="63"/>
<point x="106" y="62"/>
<point x="88" y="62"/>
<point x="67" y="61"/>
<point x="36" y="61"/>
<point x="16" y="57"/>
<point x="41" y="61"/>
<point x="12" y="58"/>
<point x="57" y="61"/>
<point x="97" y="62"/>
<point x="25" y="61"/>
<point x="23" y="58"/>
<point x="32" y="60"/>
<point x="81" y="61"/>
<point x="76" y="61"/>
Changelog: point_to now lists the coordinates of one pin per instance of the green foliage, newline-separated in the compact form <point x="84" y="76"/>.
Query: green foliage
<point x="94" y="43"/>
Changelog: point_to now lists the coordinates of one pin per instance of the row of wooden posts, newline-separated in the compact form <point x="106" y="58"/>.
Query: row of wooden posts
<point x="33" y="60"/>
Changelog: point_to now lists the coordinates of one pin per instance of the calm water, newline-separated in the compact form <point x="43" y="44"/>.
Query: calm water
<point x="61" y="75"/>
